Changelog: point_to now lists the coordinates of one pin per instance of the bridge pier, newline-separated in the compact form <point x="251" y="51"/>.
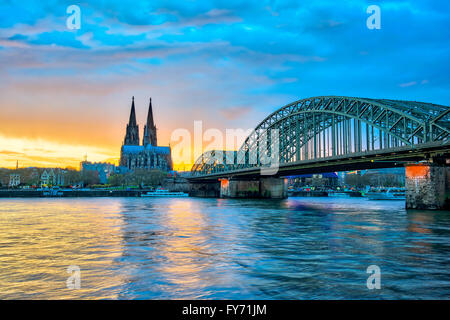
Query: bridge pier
<point x="426" y="185"/>
<point x="273" y="188"/>
<point x="231" y="188"/>
<point x="207" y="189"/>
<point x="269" y="188"/>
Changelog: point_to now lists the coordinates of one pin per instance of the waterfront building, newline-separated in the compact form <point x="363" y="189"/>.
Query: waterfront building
<point x="47" y="177"/>
<point x="329" y="179"/>
<point x="120" y="170"/>
<point x="103" y="169"/>
<point x="388" y="177"/>
<point x="149" y="155"/>
<point x="52" y="177"/>
<point x="14" y="180"/>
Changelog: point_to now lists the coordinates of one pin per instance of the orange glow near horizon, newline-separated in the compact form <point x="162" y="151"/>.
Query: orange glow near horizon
<point x="33" y="140"/>
<point x="59" y="126"/>
<point x="41" y="152"/>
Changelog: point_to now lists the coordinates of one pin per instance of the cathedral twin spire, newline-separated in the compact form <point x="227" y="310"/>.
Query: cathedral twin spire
<point x="132" y="134"/>
<point x="150" y="129"/>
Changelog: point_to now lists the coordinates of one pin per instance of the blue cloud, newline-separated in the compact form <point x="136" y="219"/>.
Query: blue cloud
<point x="65" y="39"/>
<point x="283" y="49"/>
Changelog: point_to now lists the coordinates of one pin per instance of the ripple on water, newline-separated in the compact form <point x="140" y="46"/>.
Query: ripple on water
<point x="299" y="248"/>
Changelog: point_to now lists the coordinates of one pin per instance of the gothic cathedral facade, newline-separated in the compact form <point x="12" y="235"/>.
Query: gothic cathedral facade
<point x="148" y="155"/>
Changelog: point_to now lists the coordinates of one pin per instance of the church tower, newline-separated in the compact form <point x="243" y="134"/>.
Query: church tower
<point x="132" y="136"/>
<point x="150" y="129"/>
<point x="149" y="155"/>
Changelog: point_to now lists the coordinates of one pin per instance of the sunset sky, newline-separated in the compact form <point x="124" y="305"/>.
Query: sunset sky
<point x="67" y="93"/>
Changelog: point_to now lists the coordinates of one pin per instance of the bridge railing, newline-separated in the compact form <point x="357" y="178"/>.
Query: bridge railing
<point x="324" y="127"/>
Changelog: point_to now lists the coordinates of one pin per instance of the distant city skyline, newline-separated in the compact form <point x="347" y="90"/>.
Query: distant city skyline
<point x="66" y="93"/>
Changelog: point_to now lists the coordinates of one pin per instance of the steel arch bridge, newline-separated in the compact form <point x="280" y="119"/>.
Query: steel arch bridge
<point x="330" y="130"/>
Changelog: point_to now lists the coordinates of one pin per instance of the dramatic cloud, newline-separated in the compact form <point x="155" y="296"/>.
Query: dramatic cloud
<point x="228" y="63"/>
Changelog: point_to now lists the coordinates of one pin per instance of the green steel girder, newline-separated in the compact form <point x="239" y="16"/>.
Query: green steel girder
<point x="331" y="125"/>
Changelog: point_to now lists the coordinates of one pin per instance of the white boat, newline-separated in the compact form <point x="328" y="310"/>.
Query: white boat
<point x="387" y="194"/>
<point x="338" y="194"/>
<point x="164" y="193"/>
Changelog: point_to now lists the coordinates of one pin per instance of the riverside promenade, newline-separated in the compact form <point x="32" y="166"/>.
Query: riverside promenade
<point x="63" y="193"/>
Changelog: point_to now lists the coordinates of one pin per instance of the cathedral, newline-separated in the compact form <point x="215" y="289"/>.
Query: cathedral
<point x="148" y="155"/>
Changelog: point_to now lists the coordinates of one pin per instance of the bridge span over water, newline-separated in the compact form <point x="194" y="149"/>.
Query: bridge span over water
<point x="333" y="133"/>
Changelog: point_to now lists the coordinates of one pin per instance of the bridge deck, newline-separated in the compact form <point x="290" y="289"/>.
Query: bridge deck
<point x="386" y="158"/>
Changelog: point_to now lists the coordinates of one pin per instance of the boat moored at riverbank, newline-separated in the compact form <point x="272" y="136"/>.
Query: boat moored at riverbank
<point x="387" y="194"/>
<point x="164" y="193"/>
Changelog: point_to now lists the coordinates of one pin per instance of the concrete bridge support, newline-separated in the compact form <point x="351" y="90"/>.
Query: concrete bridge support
<point x="426" y="186"/>
<point x="209" y="189"/>
<point x="230" y="188"/>
<point x="274" y="188"/>
<point x="269" y="188"/>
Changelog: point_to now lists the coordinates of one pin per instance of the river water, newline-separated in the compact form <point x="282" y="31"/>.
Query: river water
<point x="192" y="248"/>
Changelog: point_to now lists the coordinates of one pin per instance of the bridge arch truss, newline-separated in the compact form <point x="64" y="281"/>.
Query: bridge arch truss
<point x="330" y="126"/>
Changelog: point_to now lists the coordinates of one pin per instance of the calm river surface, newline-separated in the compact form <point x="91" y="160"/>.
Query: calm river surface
<point x="192" y="248"/>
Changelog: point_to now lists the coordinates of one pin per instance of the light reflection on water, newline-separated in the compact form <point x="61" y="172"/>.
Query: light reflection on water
<point x="300" y="248"/>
